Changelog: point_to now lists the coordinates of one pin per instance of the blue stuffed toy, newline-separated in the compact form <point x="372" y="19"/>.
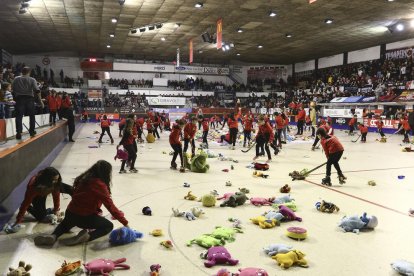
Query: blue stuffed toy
<point x="124" y="235"/>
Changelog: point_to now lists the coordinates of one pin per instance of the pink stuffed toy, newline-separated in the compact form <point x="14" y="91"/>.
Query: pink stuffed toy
<point x="288" y="213"/>
<point x="251" y="271"/>
<point x="260" y="201"/>
<point x="104" y="266"/>
<point x="226" y="196"/>
<point x="219" y="255"/>
<point x="121" y="154"/>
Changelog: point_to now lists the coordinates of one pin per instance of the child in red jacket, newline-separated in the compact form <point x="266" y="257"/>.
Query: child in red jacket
<point x="52" y="103"/>
<point x="351" y="125"/>
<point x="406" y="127"/>
<point x="190" y="130"/>
<point x="247" y="125"/>
<point x="121" y="126"/>
<point x="105" y="127"/>
<point x="206" y="128"/>
<point x="333" y="151"/>
<point x="263" y="138"/>
<point x="176" y="144"/>
<point x="380" y="125"/>
<point x="364" y="131"/>
<point x="91" y="189"/>
<point x="128" y="142"/>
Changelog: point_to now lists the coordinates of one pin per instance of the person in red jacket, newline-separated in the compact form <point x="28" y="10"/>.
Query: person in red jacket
<point x="247" y="126"/>
<point x="167" y="124"/>
<point x="406" y="127"/>
<point x="67" y="112"/>
<point x="380" y="125"/>
<point x="333" y="151"/>
<point x="105" y="127"/>
<point x="175" y="143"/>
<point x="150" y="125"/>
<point x="301" y="120"/>
<point x="263" y="138"/>
<point x="121" y="126"/>
<point x="139" y="123"/>
<point x="45" y="182"/>
<point x="212" y="121"/>
<point x="329" y="131"/>
<point x="52" y="103"/>
<point x="59" y="105"/>
<point x="206" y="128"/>
<point x="91" y="189"/>
<point x="128" y="142"/>
<point x="351" y="125"/>
<point x="364" y="131"/>
<point x="279" y="124"/>
<point x="156" y="124"/>
<point x="234" y="129"/>
<point x="190" y="130"/>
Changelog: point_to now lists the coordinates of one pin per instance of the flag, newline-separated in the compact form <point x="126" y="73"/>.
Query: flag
<point x="219" y="33"/>
<point x="190" y="47"/>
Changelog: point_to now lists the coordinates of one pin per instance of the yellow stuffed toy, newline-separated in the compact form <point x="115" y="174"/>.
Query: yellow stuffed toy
<point x="190" y="196"/>
<point x="264" y="223"/>
<point x="150" y="138"/>
<point x="286" y="260"/>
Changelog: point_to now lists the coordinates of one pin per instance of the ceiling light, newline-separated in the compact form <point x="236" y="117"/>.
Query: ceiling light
<point x="238" y="54"/>
<point x="260" y="46"/>
<point x="177" y="25"/>
<point x="328" y="21"/>
<point x="390" y="0"/>
<point x="162" y="38"/>
<point x="239" y="30"/>
<point x="288" y="35"/>
<point x="142" y="29"/>
<point x="200" y="51"/>
<point x="112" y="35"/>
<point x="399" y="27"/>
<point x="223" y="48"/>
<point x="272" y="14"/>
<point x="151" y="28"/>
<point x="227" y="47"/>
<point x="158" y="26"/>
<point x="114" y="20"/>
<point x="412" y="23"/>
<point x="198" y="5"/>
<point x="108" y="46"/>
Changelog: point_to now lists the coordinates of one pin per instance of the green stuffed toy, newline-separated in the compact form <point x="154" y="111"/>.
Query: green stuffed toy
<point x="199" y="163"/>
<point x="291" y="205"/>
<point x="224" y="233"/>
<point x="208" y="200"/>
<point x="264" y="223"/>
<point x="187" y="160"/>
<point x="206" y="241"/>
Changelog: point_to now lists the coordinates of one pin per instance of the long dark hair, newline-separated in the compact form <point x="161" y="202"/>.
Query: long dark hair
<point x="44" y="179"/>
<point x="101" y="170"/>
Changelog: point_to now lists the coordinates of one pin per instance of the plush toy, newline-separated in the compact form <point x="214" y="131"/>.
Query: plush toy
<point x="199" y="163"/>
<point x="197" y="212"/>
<point x="294" y="257"/>
<point x="411" y="212"/>
<point x="372" y="183"/>
<point x="219" y="255"/>
<point x="236" y="223"/>
<point x="251" y="271"/>
<point x="235" y="200"/>
<point x="263" y="222"/>
<point x="206" y="241"/>
<point x="104" y="266"/>
<point x="370" y="221"/>
<point x="261" y="201"/>
<point x="187" y="160"/>
<point x="355" y="223"/>
<point x="274" y="249"/>
<point x="274" y="215"/>
<point x="214" y="193"/>
<point x="288" y="213"/>
<point x="156" y="233"/>
<point x="155" y="270"/>
<point x="291" y="205"/>
<point x="326" y="207"/>
<point x="124" y="235"/>
<point x="21" y="270"/>
<point x="224" y="272"/>
<point x="226" y="234"/>
<point x="147" y="211"/>
<point x="283" y="199"/>
<point x="190" y="196"/>
<point x="121" y="154"/>
<point x="187" y="215"/>
<point x="297" y="233"/>
<point x="225" y="196"/>
<point x="403" y="267"/>
<point x="261" y="166"/>
<point x="150" y="138"/>
<point x="296" y="176"/>
<point x="208" y="200"/>
<point x="10" y="229"/>
<point x="285" y="189"/>
<point x="228" y="183"/>
<point x="260" y="174"/>
<point x="167" y="244"/>
<point x="68" y="268"/>
<point x="244" y="190"/>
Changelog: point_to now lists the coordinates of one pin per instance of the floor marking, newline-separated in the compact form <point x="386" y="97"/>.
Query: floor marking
<point x="370" y="170"/>
<point x="359" y="198"/>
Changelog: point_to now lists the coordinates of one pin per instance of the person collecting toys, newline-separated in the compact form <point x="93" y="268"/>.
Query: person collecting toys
<point x="176" y="144"/>
<point x="364" y="131"/>
<point x="329" y="131"/>
<point x="234" y="128"/>
<point x="105" y="127"/>
<point x="91" y="189"/>
<point x="45" y="182"/>
<point x="128" y="142"/>
<point x="206" y="128"/>
<point x="351" y="125"/>
<point x="333" y="151"/>
<point x="247" y="126"/>
<point x="121" y="126"/>
<point x="263" y="138"/>
<point x="139" y="122"/>
<point x="190" y="130"/>
<point x="380" y="125"/>
<point x="405" y="126"/>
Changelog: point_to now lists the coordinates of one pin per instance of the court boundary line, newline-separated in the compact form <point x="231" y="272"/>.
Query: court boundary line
<point x="371" y="170"/>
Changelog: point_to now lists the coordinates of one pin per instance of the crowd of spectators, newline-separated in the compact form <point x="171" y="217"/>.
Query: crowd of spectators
<point x="125" y="84"/>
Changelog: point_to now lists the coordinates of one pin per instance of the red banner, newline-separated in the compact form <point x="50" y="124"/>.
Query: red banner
<point x="95" y="94"/>
<point x="219" y="33"/>
<point x="2" y="130"/>
<point x="190" y="47"/>
<point x="110" y="116"/>
<point x="387" y="123"/>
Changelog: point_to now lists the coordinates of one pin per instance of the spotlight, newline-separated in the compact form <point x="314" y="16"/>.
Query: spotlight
<point x="288" y="35"/>
<point x="231" y="45"/>
<point x="227" y="47"/>
<point x="141" y="30"/>
<point x="158" y="26"/>
<point x="260" y="46"/>
<point x="108" y="46"/>
<point x="223" y="48"/>
<point x="399" y="27"/>
<point x="272" y="14"/>
<point x="151" y="28"/>
<point x="162" y="38"/>
<point x="238" y="54"/>
<point x="22" y="10"/>
<point x="328" y="21"/>
<point x="390" y="0"/>
<point x="198" y="5"/>
<point x="121" y="2"/>
<point x="114" y="20"/>
<point x="200" y="51"/>
<point x="133" y="31"/>
<point x="412" y="23"/>
<point x="239" y="30"/>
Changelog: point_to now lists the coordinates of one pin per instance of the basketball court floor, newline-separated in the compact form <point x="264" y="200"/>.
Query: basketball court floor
<point x="329" y="251"/>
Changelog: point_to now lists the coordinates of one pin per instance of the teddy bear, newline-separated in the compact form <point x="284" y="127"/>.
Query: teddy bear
<point x="326" y="207"/>
<point x="190" y="196"/>
<point x="21" y="270"/>
<point x="294" y="257"/>
<point x="274" y="215"/>
<point x="403" y="267"/>
<point x="264" y="223"/>
<point x="235" y="200"/>
<point x="260" y="201"/>
<point x="206" y="241"/>
<point x="285" y="189"/>
<point x="155" y="270"/>
<point x="288" y="213"/>
<point x="218" y="255"/>
<point x="197" y="212"/>
<point x="274" y="249"/>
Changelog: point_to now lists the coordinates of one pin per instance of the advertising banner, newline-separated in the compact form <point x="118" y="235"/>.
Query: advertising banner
<point x="166" y="101"/>
<point x="390" y="124"/>
<point x="338" y="100"/>
<point x="94" y="94"/>
<point x="353" y="99"/>
<point x="219" y="33"/>
<point x="367" y="100"/>
<point x="110" y="116"/>
<point x="402" y="53"/>
<point x="338" y="113"/>
<point x="406" y="96"/>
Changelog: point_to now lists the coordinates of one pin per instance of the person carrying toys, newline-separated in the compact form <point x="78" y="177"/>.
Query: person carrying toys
<point x="176" y="144"/>
<point x="380" y="125"/>
<point x="351" y="125"/>
<point x="333" y="151"/>
<point x="105" y="127"/>
<point x="205" y="124"/>
<point x="364" y="131"/>
<point x="263" y="138"/>
<point x="190" y="130"/>
<point x="128" y="142"/>
<point x="406" y="127"/>
<point x="247" y="125"/>
<point x="91" y="189"/>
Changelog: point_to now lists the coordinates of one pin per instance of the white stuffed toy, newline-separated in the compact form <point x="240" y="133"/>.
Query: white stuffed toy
<point x="356" y="223"/>
<point x="274" y="215"/>
<point x="274" y="249"/>
<point x="403" y="267"/>
<point x="283" y="199"/>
